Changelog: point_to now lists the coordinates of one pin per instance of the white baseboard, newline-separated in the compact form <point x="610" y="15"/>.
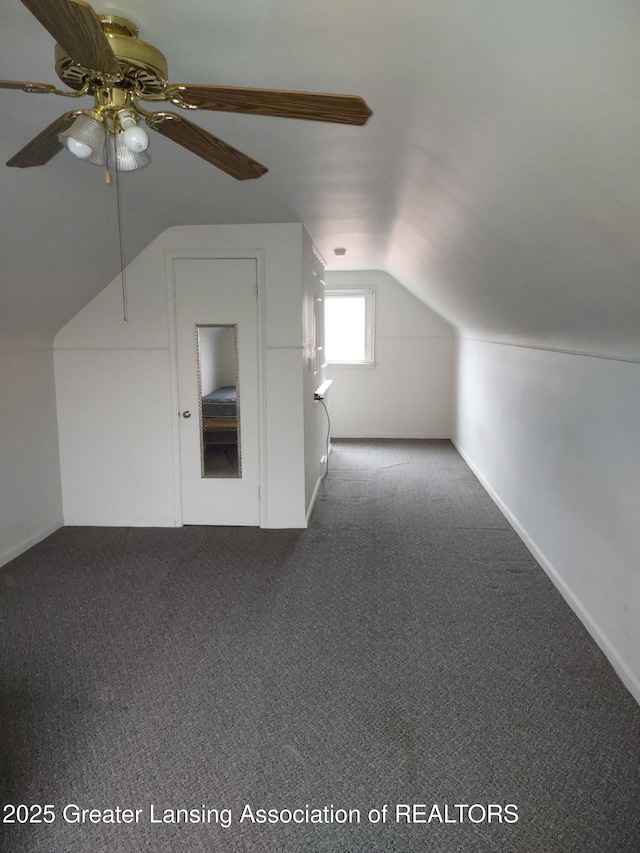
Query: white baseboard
<point x="412" y="436"/>
<point x="623" y="670"/>
<point x="29" y="542"/>
<point x="325" y="464"/>
<point x="313" y="498"/>
<point x="119" y="521"/>
<point x="299" y="523"/>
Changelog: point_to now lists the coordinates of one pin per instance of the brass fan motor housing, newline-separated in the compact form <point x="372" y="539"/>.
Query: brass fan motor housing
<point x="144" y="67"/>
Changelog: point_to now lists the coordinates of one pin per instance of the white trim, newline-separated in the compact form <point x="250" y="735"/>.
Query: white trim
<point x="314" y="496"/>
<point x="217" y="254"/>
<point x="624" y="671"/>
<point x="82" y="348"/>
<point x="339" y="365"/>
<point x="325" y="464"/>
<point x="173" y="381"/>
<point x="407" y="436"/>
<point x="279" y="523"/>
<point x="27" y="543"/>
<point x="416" y="337"/>
<point x="87" y="520"/>
<point x="583" y="354"/>
<point x="261" y="308"/>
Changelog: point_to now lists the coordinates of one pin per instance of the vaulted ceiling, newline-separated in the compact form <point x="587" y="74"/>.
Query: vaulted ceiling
<point x="499" y="178"/>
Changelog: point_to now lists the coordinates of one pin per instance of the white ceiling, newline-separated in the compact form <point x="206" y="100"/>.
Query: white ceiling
<point x="499" y="178"/>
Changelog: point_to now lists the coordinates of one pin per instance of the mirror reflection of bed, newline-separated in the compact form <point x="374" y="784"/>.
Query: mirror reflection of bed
<point x="220" y="431"/>
<point x="217" y="361"/>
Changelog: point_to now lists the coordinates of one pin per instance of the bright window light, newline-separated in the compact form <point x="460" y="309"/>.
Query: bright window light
<point x="348" y="329"/>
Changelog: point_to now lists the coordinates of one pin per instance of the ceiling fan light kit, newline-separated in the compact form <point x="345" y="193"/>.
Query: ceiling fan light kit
<point x="102" y="56"/>
<point x="100" y="138"/>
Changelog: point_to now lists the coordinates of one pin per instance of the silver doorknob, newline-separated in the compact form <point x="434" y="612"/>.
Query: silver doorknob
<point x="186" y="414"/>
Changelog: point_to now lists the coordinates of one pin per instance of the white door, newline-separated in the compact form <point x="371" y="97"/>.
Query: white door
<point x="217" y="348"/>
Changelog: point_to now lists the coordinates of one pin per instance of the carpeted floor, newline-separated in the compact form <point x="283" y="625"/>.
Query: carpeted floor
<point x="405" y="650"/>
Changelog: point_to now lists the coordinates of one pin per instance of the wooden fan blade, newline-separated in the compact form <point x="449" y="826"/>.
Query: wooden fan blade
<point x="314" y="106"/>
<point x="26" y="86"/>
<point x="45" y="145"/>
<point x="209" y="147"/>
<point x="76" y="28"/>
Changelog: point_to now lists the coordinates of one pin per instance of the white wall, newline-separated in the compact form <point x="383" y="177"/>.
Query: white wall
<point x="116" y="422"/>
<point x="555" y="437"/>
<point x="409" y="392"/>
<point x="30" y="494"/>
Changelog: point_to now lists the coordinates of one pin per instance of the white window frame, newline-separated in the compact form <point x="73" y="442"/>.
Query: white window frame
<point x="369" y="294"/>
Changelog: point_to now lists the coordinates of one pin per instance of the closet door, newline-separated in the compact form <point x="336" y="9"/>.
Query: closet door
<point x="217" y="350"/>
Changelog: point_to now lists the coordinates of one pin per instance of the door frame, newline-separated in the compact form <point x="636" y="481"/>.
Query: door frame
<point x="171" y="256"/>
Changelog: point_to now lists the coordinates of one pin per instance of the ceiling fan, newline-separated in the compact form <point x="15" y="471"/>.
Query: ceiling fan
<point x="101" y="56"/>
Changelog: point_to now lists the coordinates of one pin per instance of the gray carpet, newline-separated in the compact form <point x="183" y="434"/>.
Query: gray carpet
<point x="405" y="649"/>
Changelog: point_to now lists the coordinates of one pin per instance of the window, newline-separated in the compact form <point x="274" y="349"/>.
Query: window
<point x="348" y="325"/>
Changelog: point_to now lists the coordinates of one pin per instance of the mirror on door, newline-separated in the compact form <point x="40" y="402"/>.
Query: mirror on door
<point x="217" y="360"/>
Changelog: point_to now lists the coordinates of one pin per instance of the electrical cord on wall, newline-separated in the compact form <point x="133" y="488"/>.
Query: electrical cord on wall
<point x="326" y="467"/>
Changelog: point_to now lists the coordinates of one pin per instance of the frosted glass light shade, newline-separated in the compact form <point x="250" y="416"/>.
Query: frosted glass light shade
<point x="126" y="160"/>
<point x="87" y="131"/>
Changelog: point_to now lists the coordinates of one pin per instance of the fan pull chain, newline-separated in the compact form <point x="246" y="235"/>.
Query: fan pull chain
<point x="123" y="275"/>
<point x="107" y="174"/>
<point x="107" y="179"/>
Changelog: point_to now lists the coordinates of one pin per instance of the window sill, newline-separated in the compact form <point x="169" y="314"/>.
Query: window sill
<point x="342" y="364"/>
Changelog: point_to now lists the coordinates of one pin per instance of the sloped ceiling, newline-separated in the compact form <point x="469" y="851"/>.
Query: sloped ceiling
<point x="499" y="178"/>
